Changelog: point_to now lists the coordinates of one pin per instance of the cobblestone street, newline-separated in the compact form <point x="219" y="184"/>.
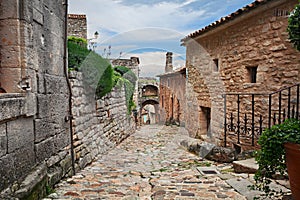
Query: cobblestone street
<point x="150" y="164"/>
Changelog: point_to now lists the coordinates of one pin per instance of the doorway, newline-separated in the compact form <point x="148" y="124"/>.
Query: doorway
<point x="205" y="118"/>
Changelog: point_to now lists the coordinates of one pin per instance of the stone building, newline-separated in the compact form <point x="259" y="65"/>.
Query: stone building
<point x="149" y="100"/>
<point x="133" y="64"/>
<point x="172" y="93"/>
<point x="244" y="53"/>
<point x="34" y="110"/>
<point x="77" y="25"/>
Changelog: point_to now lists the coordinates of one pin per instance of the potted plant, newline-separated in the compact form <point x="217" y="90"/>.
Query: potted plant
<point x="280" y="146"/>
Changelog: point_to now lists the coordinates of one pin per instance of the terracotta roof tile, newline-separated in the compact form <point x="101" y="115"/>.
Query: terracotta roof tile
<point x="225" y="19"/>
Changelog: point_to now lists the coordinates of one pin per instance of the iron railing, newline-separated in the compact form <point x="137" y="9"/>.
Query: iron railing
<point x="247" y="115"/>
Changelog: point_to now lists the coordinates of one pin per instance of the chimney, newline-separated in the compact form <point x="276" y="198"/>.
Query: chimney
<point x="169" y="66"/>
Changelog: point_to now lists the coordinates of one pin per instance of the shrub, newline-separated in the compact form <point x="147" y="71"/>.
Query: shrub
<point x="97" y="71"/>
<point x="271" y="156"/>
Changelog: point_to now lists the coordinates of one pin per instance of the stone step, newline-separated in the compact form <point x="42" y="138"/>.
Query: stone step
<point x="242" y="186"/>
<point x="245" y="166"/>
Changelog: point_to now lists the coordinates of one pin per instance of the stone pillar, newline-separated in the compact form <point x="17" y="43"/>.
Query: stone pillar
<point x="169" y="65"/>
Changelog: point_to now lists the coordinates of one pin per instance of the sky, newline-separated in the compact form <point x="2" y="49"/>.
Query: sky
<point x="149" y="28"/>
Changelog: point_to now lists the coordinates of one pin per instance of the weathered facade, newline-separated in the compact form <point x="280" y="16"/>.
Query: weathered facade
<point x="34" y="132"/>
<point x="172" y="94"/>
<point x="77" y="25"/>
<point x="246" y="52"/>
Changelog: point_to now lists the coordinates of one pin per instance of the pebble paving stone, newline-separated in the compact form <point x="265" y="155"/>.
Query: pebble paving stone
<point x="149" y="164"/>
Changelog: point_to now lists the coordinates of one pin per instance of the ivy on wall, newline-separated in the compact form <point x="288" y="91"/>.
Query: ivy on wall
<point x="98" y="72"/>
<point x="294" y="27"/>
<point x="128" y="79"/>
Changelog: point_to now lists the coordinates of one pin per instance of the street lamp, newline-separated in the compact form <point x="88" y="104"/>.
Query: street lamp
<point x="92" y="44"/>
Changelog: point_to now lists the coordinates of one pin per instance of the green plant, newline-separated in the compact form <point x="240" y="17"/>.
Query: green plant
<point x="121" y="69"/>
<point x="124" y="76"/>
<point x="97" y="71"/>
<point x="49" y="190"/>
<point x="271" y="156"/>
<point x="294" y="27"/>
<point x="77" y="40"/>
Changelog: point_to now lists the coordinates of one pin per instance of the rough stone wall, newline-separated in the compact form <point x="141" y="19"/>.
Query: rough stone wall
<point x="172" y="101"/>
<point x="98" y="125"/>
<point x="255" y="39"/>
<point x="133" y="64"/>
<point x="34" y="135"/>
<point x="77" y="26"/>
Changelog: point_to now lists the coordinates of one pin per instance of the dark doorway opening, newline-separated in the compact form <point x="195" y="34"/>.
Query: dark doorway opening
<point x="205" y="118"/>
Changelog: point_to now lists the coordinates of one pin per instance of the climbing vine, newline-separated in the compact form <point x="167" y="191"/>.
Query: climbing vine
<point x="294" y="27"/>
<point x="98" y="72"/>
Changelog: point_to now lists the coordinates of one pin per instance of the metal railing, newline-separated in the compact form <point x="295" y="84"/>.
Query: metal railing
<point x="249" y="114"/>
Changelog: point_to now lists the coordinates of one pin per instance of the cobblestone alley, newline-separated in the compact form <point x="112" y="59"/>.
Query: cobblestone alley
<point x="148" y="165"/>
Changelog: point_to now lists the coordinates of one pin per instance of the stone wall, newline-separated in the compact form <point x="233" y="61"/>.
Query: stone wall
<point x="34" y="136"/>
<point x="77" y="26"/>
<point x="99" y="125"/>
<point x="218" y="62"/>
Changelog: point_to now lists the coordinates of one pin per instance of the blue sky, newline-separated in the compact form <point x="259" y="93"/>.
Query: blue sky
<point x="149" y="28"/>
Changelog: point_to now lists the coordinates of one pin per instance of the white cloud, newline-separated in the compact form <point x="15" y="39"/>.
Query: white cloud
<point x="153" y="63"/>
<point x="129" y="25"/>
<point x="119" y="17"/>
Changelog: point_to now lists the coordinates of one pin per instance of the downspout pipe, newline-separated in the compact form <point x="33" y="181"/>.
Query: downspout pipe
<point x="70" y="115"/>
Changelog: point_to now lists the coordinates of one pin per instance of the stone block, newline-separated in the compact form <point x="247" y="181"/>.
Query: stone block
<point x="30" y="105"/>
<point x="20" y="134"/>
<point x="10" y="34"/>
<point x="61" y="140"/>
<point x="53" y="160"/>
<point x="24" y="160"/>
<point x="44" y="149"/>
<point x="54" y="175"/>
<point x="66" y="164"/>
<point x="45" y="128"/>
<point x="12" y="105"/>
<point x="10" y="56"/>
<point x="34" y="179"/>
<point x="6" y="171"/>
<point x="10" y="78"/>
<point x="9" y="9"/>
<point x="222" y="154"/>
<point x="52" y="105"/>
<point x="56" y="84"/>
<point x="41" y="84"/>
<point x="3" y="140"/>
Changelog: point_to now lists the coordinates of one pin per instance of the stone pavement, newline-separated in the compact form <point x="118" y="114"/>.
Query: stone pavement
<point x="151" y="164"/>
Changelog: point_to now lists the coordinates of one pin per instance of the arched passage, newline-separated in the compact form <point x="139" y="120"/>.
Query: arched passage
<point x="150" y="91"/>
<point x="149" y="111"/>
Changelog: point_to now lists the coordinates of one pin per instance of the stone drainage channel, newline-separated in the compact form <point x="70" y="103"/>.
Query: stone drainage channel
<point x="151" y="164"/>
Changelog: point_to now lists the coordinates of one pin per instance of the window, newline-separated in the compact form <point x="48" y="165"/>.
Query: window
<point x="252" y="74"/>
<point x="216" y="65"/>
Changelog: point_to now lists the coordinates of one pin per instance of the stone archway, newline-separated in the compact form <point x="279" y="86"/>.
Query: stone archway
<point x="149" y="111"/>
